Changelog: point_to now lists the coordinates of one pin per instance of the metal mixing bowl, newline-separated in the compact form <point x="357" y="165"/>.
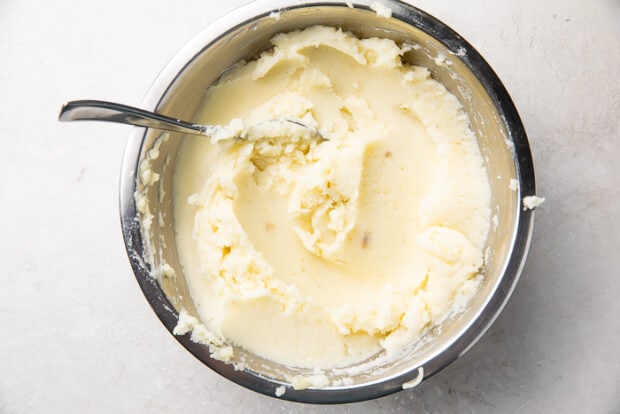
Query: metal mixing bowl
<point x="243" y="34"/>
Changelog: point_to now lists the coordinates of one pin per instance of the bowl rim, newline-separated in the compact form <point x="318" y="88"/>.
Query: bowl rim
<point x="491" y="83"/>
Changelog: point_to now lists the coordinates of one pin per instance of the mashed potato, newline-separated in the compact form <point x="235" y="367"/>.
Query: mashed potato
<point x="321" y="249"/>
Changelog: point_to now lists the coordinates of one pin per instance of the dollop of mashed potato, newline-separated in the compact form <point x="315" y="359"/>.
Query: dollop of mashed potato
<point x="321" y="249"/>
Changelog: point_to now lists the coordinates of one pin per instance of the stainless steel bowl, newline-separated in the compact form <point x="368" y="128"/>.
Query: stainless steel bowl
<point x="243" y="34"/>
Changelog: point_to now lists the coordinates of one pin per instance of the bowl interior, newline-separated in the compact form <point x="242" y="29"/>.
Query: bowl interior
<point x="453" y="63"/>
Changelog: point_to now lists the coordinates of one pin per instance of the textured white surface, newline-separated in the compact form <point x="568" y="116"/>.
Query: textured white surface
<point x="76" y="334"/>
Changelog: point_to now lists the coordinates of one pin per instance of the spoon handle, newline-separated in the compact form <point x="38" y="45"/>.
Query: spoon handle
<point x="91" y="110"/>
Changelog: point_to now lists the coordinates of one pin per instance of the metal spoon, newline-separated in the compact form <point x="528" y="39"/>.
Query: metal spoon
<point x="91" y="110"/>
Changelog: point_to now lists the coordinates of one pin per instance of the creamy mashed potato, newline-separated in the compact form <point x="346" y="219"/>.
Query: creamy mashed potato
<point x="322" y="249"/>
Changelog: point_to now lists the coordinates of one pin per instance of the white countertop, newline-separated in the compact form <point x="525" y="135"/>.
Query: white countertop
<point x="77" y="335"/>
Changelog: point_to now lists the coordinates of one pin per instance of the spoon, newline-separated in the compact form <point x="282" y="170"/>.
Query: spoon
<point x="91" y="110"/>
